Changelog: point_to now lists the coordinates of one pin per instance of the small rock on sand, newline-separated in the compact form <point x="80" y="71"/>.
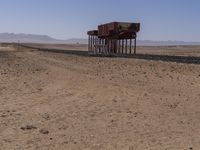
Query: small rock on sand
<point x="28" y="127"/>
<point x="44" y="131"/>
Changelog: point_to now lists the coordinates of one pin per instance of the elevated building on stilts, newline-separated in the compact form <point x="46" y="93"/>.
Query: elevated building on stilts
<point x="115" y="38"/>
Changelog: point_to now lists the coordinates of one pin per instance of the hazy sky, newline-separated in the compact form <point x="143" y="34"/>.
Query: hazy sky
<point x="63" y="19"/>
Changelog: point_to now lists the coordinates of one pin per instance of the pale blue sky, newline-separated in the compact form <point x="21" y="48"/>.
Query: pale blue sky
<point x="63" y="19"/>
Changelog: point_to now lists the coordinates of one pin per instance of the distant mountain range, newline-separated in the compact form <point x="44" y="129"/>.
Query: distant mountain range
<point x="26" y="38"/>
<point x="31" y="38"/>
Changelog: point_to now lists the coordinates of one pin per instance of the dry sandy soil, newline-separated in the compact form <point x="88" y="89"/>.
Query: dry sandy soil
<point x="51" y="101"/>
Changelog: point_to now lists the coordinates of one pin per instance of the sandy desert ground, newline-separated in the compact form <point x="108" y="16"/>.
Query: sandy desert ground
<point x="52" y="101"/>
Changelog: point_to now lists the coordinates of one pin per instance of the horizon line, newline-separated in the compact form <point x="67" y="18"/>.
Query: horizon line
<point x="76" y="38"/>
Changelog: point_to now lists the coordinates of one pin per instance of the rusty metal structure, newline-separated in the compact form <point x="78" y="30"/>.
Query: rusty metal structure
<point x="115" y="38"/>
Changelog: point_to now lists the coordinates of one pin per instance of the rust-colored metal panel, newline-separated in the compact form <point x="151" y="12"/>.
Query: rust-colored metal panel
<point x="93" y="32"/>
<point x="118" y="29"/>
<point x="128" y="27"/>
